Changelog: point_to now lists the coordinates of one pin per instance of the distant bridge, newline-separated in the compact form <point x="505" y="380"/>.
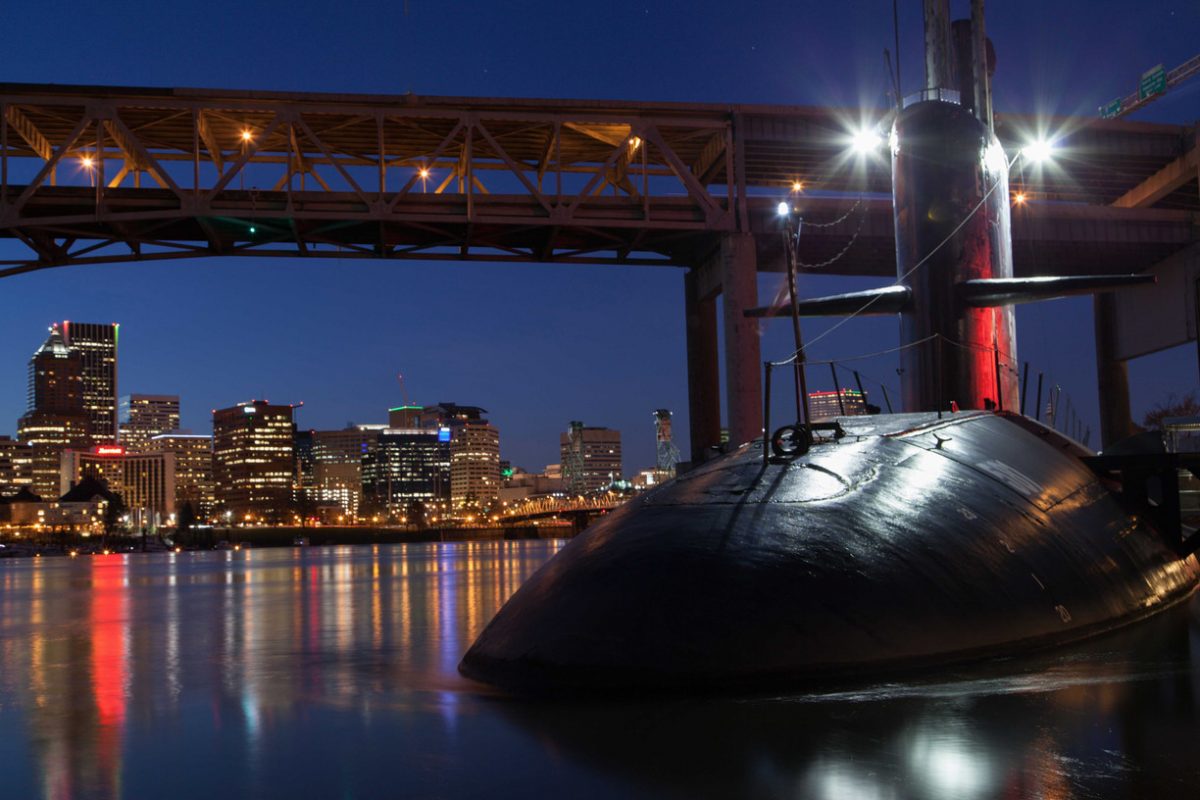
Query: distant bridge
<point x="94" y="175"/>
<point x="578" y="509"/>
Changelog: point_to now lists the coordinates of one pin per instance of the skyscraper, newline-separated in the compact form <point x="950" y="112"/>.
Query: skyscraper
<point x="56" y="419"/>
<point x="16" y="465"/>
<point x="145" y="481"/>
<point x="143" y="416"/>
<point x="193" y="469"/>
<point x="474" y="465"/>
<point x="407" y="467"/>
<point x="253" y="461"/>
<point x="591" y="457"/>
<point x="338" y="464"/>
<point x="96" y="344"/>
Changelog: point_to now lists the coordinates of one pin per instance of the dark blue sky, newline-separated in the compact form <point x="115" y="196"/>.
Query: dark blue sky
<point x="537" y="345"/>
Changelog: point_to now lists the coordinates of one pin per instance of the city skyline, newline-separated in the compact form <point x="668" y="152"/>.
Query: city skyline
<point x="541" y="344"/>
<point x="178" y="404"/>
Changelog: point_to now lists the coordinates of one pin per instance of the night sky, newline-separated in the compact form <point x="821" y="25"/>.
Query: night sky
<point x="537" y="345"/>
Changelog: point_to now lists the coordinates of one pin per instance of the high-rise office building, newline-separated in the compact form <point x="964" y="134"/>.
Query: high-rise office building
<point x="304" y="489"/>
<point x="143" y="416"/>
<point x="145" y="481"/>
<point x="338" y="464"/>
<point x="96" y="344"/>
<point x="591" y="457"/>
<point x="474" y="465"/>
<point x="253" y="464"/>
<point x="16" y="465"/>
<point x="825" y="405"/>
<point x="407" y="467"/>
<point x="193" y="469"/>
<point x="55" y="376"/>
<point x="56" y="419"/>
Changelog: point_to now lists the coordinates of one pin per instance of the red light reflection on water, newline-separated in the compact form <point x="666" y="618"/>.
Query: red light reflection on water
<point x="110" y="657"/>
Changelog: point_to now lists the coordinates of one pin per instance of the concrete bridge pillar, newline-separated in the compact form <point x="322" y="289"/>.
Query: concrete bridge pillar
<point x="1112" y="374"/>
<point x="743" y="359"/>
<point x="704" y="379"/>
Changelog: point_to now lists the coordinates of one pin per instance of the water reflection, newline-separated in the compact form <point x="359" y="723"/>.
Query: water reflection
<point x="331" y="672"/>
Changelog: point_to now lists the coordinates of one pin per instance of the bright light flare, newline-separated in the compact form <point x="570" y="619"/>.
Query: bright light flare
<point x="1019" y="198"/>
<point x="88" y="162"/>
<point x="1038" y="151"/>
<point x="783" y="209"/>
<point x="797" y="187"/>
<point x="423" y="173"/>
<point x="247" y="135"/>
<point x="865" y="141"/>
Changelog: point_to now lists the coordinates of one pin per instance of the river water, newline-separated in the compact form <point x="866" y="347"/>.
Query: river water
<point x="331" y="673"/>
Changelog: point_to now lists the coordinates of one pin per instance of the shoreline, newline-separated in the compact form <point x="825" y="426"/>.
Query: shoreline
<point x="42" y="545"/>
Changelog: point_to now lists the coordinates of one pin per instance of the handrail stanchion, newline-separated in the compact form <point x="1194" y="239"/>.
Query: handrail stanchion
<point x="1024" y="388"/>
<point x="999" y="391"/>
<point x="798" y="337"/>
<point x="940" y="381"/>
<point x="837" y="388"/>
<point x="861" y="392"/>
<point x="767" y="413"/>
<point x="887" y="400"/>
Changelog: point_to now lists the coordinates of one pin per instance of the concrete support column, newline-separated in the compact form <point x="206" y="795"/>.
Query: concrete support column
<point x="1116" y="422"/>
<point x="704" y="377"/>
<point x="743" y="359"/>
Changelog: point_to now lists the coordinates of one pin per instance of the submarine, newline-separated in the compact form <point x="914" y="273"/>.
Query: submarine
<point x="960" y="530"/>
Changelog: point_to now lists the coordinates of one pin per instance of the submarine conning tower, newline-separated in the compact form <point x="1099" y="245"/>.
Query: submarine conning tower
<point x="950" y="200"/>
<point x="894" y="541"/>
<point x="950" y="188"/>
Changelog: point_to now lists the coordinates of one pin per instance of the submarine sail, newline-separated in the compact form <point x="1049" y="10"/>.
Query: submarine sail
<point x="899" y="540"/>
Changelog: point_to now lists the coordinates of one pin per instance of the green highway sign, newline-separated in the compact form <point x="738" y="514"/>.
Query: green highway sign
<point x="1154" y="81"/>
<point x="1111" y="110"/>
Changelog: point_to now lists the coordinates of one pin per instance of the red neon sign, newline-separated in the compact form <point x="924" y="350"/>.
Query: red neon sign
<point x="109" y="450"/>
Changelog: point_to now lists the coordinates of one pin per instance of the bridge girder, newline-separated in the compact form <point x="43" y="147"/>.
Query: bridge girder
<point x="515" y="180"/>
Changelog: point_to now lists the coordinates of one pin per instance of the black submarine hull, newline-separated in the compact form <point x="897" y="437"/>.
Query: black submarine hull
<point x="912" y="540"/>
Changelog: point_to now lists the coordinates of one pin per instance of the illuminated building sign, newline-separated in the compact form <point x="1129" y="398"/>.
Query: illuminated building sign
<point x="109" y="450"/>
<point x="248" y="409"/>
<point x="443" y="434"/>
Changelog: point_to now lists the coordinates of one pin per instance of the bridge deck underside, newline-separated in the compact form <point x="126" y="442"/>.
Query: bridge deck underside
<point x="102" y="174"/>
<point x="147" y="224"/>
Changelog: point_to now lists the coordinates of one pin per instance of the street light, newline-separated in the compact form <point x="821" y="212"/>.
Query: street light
<point x="1038" y="151"/>
<point x="865" y="141"/>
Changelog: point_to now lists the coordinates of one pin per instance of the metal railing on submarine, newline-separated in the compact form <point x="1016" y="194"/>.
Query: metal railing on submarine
<point x="1142" y="472"/>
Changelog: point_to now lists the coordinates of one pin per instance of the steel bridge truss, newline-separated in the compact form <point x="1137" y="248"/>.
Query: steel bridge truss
<point x="139" y="176"/>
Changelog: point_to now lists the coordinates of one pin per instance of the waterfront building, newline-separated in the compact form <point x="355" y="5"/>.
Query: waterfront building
<point x="253" y="461"/>
<point x="56" y="418"/>
<point x="84" y="508"/>
<point x="474" y="465"/>
<point x="591" y="457"/>
<point x="824" y="405"/>
<point x="407" y="471"/>
<point x="193" y="469"/>
<point x="16" y="465"/>
<point x="144" y="481"/>
<point x="520" y="485"/>
<point x="144" y="416"/>
<point x="96" y="344"/>
<point x="304" y="489"/>
<point x="338" y="465"/>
